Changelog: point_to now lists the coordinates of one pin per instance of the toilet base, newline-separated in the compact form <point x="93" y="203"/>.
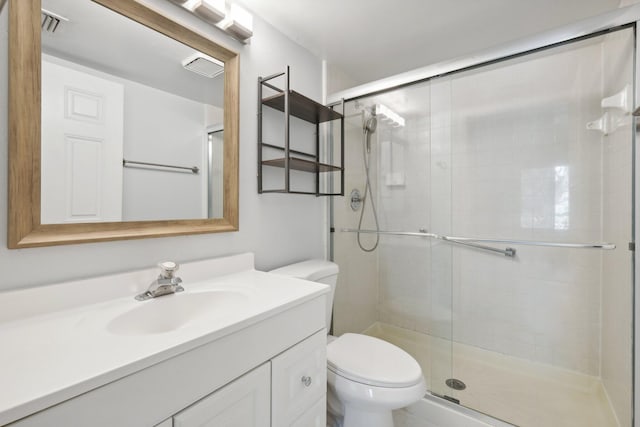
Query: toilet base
<point x="360" y="419"/>
<point x="354" y="417"/>
<point x="339" y="415"/>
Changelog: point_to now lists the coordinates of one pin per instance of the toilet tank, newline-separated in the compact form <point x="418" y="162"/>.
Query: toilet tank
<point x="315" y="270"/>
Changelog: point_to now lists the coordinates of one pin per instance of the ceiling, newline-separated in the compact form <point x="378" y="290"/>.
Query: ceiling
<point x="101" y="39"/>
<point x="370" y="39"/>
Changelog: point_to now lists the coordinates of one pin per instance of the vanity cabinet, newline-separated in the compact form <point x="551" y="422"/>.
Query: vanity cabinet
<point x="323" y="159"/>
<point x="271" y="373"/>
<point x="288" y="391"/>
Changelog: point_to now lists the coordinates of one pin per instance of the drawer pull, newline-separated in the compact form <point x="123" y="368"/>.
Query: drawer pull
<point x="306" y="381"/>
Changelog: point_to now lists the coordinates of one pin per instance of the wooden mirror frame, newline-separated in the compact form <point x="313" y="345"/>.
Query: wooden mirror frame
<point x="24" y="226"/>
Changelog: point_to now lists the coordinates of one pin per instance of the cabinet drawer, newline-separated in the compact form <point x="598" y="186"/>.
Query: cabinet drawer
<point x="316" y="416"/>
<point x="299" y="379"/>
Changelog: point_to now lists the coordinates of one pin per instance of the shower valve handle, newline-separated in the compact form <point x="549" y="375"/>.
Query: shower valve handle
<point x="306" y="380"/>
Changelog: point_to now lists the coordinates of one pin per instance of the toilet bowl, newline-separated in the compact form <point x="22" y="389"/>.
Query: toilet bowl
<point x="367" y="377"/>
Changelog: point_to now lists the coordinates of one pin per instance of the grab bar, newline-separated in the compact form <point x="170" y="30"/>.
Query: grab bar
<point x="193" y="169"/>
<point x="474" y="240"/>
<point x="510" y="252"/>
<point x="603" y="245"/>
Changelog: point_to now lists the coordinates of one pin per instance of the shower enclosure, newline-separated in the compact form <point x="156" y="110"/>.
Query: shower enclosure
<point x="504" y="201"/>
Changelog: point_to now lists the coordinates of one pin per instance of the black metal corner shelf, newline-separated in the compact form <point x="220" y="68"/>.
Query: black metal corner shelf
<point x="302" y="107"/>
<point x="292" y="103"/>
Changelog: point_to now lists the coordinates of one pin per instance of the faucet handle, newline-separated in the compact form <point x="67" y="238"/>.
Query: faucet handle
<point x="168" y="268"/>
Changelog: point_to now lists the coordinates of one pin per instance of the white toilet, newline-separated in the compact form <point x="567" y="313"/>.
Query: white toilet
<point x="367" y="377"/>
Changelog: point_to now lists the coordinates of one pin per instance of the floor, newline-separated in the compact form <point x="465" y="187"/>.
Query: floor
<point x="518" y="391"/>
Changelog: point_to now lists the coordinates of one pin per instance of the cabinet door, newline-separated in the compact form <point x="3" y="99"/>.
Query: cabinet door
<point x="299" y="379"/>
<point x="316" y="416"/>
<point x="243" y="403"/>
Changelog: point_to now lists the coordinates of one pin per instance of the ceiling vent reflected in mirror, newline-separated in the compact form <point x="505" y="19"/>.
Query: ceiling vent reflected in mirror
<point x="203" y="65"/>
<point x="51" y="22"/>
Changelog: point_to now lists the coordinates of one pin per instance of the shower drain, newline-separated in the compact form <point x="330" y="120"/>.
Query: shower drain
<point x="455" y="384"/>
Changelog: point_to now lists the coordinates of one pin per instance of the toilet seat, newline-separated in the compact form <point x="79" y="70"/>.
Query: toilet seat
<point x="372" y="361"/>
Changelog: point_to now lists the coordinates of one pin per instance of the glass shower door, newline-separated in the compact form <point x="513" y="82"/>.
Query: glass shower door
<point x="541" y="152"/>
<point x="440" y="306"/>
<point x="410" y="311"/>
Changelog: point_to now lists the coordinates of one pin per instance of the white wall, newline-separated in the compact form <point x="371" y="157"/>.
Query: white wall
<point x="338" y="80"/>
<point x="153" y="193"/>
<point x="278" y="228"/>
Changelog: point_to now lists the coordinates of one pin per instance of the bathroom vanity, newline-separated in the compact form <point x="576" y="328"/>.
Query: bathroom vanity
<point x="237" y="344"/>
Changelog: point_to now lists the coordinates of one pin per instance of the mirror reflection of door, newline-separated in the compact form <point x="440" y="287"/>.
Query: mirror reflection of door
<point x="215" y="157"/>
<point x="82" y="142"/>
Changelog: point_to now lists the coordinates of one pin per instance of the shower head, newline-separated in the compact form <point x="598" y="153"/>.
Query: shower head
<point x="371" y="124"/>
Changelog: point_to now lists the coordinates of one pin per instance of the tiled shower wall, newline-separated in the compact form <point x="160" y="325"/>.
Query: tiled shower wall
<point x="403" y="199"/>
<point x="356" y="295"/>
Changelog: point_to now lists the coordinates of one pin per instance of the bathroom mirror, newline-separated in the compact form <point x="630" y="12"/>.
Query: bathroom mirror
<point x="174" y="167"/>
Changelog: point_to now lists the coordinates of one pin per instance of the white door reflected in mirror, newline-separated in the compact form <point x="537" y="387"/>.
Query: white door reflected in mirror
<point x="82" y="131"/>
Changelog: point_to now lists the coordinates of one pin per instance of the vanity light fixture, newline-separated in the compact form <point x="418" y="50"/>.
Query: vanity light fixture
<point x="239" y="23"/>
<point x="234" y="20"/>
<point x="212" y="11"/>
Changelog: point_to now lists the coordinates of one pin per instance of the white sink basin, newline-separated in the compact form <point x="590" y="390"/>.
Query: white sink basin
<point x="170" y="312"/>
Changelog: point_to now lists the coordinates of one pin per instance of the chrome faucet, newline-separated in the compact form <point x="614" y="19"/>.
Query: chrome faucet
<point x="165" y="284"/>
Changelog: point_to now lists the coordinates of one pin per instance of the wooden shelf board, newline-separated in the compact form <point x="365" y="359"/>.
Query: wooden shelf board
<point x="301" y="192"/>
<point x="302" y="107"/>
<point x="292" y="151"/>
<point x="302" y="165"/>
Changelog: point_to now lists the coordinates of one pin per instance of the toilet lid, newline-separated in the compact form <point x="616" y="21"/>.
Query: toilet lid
<point x="372" y="361"/>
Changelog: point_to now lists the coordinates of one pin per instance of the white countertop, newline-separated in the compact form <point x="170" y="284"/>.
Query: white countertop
<point x="49" y="357"/>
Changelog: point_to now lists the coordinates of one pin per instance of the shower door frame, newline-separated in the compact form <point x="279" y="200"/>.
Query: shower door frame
<point x="598" y="25"/>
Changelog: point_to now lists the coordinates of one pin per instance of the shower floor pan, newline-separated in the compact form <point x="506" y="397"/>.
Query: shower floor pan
<point x="518" y="391"/>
